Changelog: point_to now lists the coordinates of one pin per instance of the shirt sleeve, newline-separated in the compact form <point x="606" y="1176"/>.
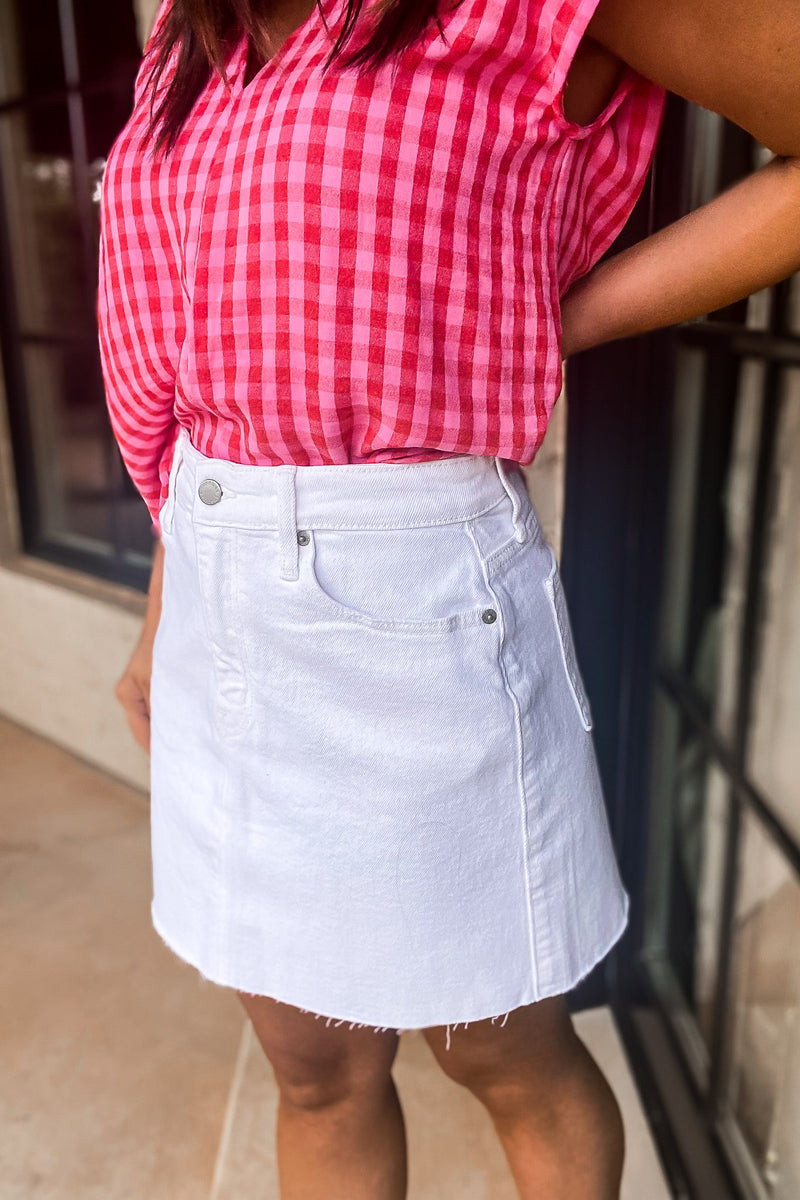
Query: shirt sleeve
<point x="140" y="314"/>
<point x="609" y="158"/>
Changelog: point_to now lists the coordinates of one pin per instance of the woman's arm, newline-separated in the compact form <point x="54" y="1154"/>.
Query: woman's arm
<point x="740" y="58"/>
<point x="133" y="687"/>
<point x="139" y="306"/>
<point x="745" y="239"/>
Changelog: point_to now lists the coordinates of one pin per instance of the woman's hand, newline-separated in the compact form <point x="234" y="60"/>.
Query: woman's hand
<point x="133" y="686"/>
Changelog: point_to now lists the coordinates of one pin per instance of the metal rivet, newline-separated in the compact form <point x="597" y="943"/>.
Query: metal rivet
<point x="210" y="491"/>
<point x="489" y="615"/>
<point x="303" y="538"/>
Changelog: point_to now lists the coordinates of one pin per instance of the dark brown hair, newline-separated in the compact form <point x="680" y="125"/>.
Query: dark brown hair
<point x="202" y="28"/>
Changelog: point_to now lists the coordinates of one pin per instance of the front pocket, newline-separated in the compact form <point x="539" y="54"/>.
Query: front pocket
<point x="425" y="580"/>
<point x="558" y="608"/>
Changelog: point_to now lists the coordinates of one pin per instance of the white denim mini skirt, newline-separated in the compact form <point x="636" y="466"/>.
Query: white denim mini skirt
<point x="374" y="787"/>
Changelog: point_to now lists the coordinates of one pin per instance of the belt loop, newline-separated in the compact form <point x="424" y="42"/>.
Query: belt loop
<point x="287" y="522"/>
<point x="167" y="512"/>
<point x="513" y="494"/>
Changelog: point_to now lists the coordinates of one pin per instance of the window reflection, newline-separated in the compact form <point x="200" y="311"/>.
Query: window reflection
<point x="764" y="1084"/>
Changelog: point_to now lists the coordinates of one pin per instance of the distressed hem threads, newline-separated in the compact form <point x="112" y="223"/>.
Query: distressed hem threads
<point x="353" y="1024"/>
<point x="337" y="1021"/>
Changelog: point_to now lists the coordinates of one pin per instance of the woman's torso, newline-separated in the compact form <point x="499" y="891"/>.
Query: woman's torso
<point x="365" y="269"/>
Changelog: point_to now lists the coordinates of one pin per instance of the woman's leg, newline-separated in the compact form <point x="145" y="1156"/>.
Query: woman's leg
<point x="340" y="1128"/>
<point x="557" y="1118"/>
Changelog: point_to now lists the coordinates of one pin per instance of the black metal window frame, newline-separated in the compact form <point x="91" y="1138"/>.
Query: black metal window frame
<point x="619" y="405"/>
<point x="119" y="564"/>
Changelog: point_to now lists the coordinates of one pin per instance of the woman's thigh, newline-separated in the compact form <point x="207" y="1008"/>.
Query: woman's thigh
<point x="533" y="1046"/>
<point x="315" y="1063"/>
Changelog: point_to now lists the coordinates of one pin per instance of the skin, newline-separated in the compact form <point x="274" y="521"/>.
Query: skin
<point x="340" y="1131"/>
<point x="133" y="687"/>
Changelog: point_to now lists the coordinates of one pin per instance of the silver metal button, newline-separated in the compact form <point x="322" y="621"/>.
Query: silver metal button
<point x="210" y="492"/>
<point x="489" y="615"/>
<point x="303" y="538"/>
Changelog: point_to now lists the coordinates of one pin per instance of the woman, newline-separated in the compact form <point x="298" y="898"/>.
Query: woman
<point x="343" y="255"/>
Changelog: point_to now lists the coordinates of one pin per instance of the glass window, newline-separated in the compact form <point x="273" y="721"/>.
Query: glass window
<point x="31" y="58"/>
<point x="688" y="835"/>
<point x="77" y="503"/>
<point x="33" y="61"/>
<point x="722" y="922"/>
<point x="764" y="1079"/>
<point x="709" y="526"/>
<point x="773" y="758"/>
<point x="72" y="465"/>
<point x="52" y="291"/>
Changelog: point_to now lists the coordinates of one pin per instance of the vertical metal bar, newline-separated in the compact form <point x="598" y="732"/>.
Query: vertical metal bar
<point x="77" y="125"/>
<point x="722" y="1029"/>
<point x="69" y="43"/>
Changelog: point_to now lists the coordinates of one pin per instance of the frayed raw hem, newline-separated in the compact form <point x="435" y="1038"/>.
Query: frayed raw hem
<point x="337" y="1021"/>
<point x="561" y="990"/>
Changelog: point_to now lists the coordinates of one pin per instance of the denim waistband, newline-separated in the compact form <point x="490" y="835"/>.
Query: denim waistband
<point x="382" y="495"/>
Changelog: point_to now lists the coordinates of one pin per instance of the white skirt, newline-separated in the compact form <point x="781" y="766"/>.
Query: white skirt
<point x="374" y="787"/>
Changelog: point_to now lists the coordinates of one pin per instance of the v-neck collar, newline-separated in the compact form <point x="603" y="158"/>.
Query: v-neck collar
<point x="311" y="26"/>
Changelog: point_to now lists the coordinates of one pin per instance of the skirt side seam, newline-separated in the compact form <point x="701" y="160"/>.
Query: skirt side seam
<point x="520" y="775"/>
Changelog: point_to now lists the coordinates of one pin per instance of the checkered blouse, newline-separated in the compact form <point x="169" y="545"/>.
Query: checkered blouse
<point x="330" y="269"/>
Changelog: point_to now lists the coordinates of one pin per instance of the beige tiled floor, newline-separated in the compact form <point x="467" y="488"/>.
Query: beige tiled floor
<point x="125" y="1076"/>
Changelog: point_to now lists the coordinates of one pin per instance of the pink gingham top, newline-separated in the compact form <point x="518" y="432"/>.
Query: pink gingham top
<point x="335" y="270"/>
